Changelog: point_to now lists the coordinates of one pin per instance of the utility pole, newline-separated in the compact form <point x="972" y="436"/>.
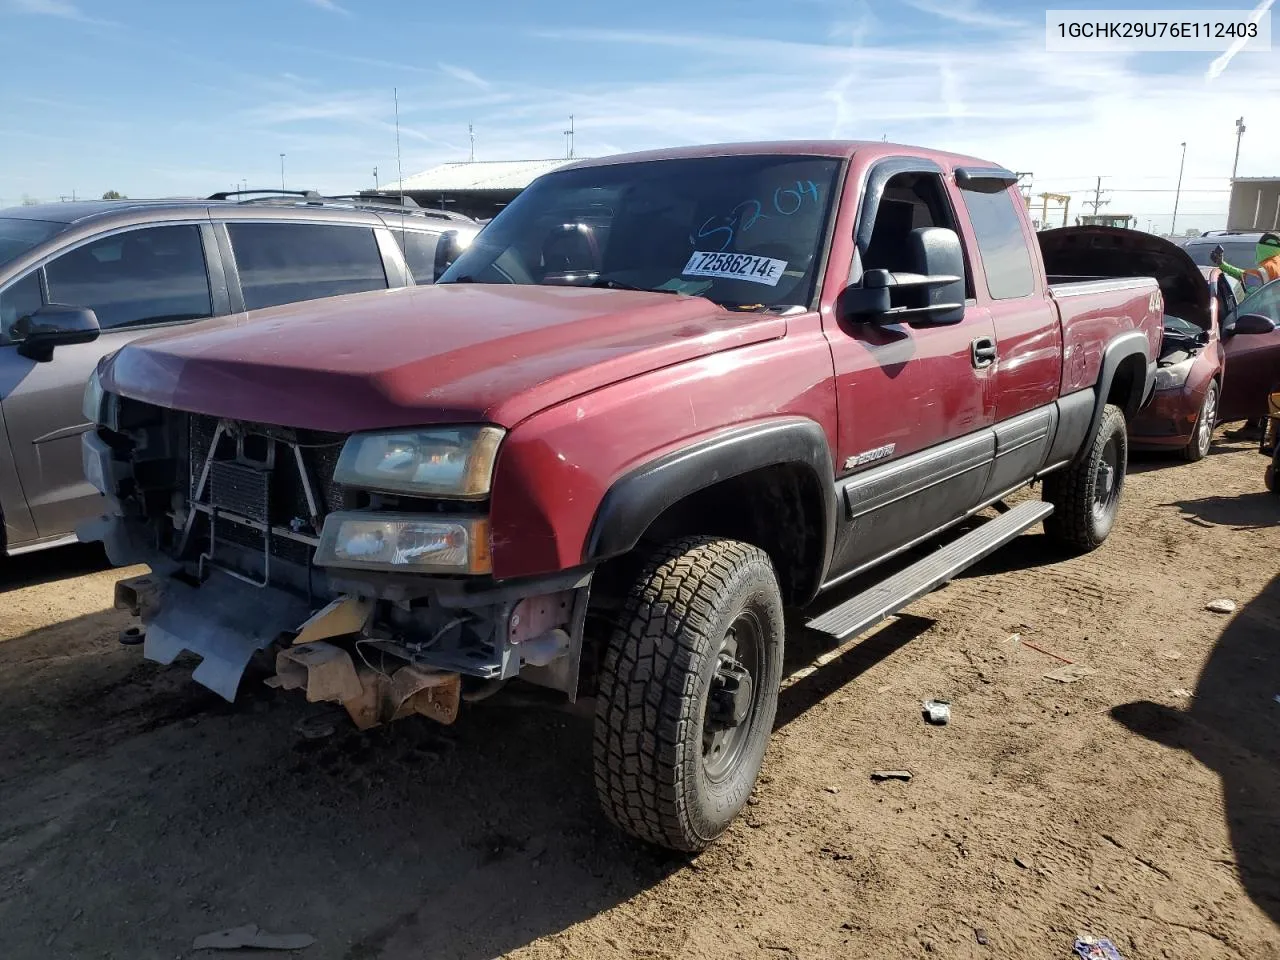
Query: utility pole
<point x="1097" y="200"/>
<point x="568" y="140"/>
<point x="1239" y="133"/>
<point x="471" y="132"/>
<point x="1024" y="187"/>
<point x="282" y="173"/>
<point x="1173" y="224"/>
<point x="375" y="179"/>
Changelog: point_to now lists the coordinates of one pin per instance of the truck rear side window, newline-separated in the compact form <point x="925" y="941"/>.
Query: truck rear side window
<point x="1001" y="244"/>
<point x="290" y="262"/>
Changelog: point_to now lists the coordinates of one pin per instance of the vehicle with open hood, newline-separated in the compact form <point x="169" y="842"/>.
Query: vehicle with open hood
<point x="1207" y="372"/>
<point x="660" y="397"/>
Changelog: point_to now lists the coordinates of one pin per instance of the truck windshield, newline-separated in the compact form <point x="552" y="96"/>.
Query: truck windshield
<point x="743" y="231"/>
<point x="18" y="235"/>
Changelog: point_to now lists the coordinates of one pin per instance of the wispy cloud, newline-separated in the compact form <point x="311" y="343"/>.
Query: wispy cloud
<point x="1220" y="64"/>
<point x="331" y="6"/>
<point x="965" y="13"/>
<point x="978" y="88"/>
<point x="465" y="75"/>
<point x="375" y="62"/>
<point x="53" y="8"/>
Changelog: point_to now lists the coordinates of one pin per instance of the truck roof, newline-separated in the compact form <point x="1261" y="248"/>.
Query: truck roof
<point x="809" y="148"/>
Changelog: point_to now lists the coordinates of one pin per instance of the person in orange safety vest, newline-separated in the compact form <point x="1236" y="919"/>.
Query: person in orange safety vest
<point x="1267" y="259"/>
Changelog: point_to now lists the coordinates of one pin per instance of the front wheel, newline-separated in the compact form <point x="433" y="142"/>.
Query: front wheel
<point x="688" y="690"/>
<point x="1202" y="436"/>
<point x="1086" y="495"/>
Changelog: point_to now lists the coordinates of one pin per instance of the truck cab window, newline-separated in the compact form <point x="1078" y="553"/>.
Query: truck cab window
<point x="20" y="299"/>
<point x="286" y="262"/>
<point x="910" y="201"/>
<point x="152" y="275"/>
<point x="1001" y="244"/>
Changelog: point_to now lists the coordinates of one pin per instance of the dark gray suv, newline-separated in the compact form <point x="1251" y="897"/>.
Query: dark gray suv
<point x="78" y="280"/>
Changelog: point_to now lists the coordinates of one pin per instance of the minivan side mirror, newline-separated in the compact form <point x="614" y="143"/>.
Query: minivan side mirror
<point x="932" y="294"/>
<point x="1252" y="323"/>
<point x="54" y="325"/>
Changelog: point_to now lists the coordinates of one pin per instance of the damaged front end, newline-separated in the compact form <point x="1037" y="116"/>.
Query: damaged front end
<point x="361" y="560"/>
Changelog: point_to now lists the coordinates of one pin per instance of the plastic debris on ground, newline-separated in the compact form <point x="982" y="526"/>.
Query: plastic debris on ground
<point x="250" y="936"/>
<point x="1096" y="948"/>
<point x="903" y="775"/>
<point x="937" y="712"/>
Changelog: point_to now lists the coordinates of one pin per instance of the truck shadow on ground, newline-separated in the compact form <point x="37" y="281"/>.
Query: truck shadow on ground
<point x="45" y="566"/>
<point x="142" y="811"/>
<point x="1230" y="727"/>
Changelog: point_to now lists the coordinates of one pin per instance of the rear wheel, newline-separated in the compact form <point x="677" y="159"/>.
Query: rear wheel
<point x="1086" y="495"/>
<point x="1202" y="436"/>
<point x="688" y="690"/>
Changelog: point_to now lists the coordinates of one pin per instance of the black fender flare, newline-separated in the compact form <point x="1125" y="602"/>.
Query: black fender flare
<point x="1122" y="347"/>
<point x="639" y="497"/>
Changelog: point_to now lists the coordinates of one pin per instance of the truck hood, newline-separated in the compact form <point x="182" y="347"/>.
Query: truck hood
<point x="422" y="355"/>
<point x="1116" y="252"/>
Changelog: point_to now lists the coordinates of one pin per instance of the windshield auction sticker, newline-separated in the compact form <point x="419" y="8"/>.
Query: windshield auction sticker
<point x="1149" y="31"/>
<point x="735" y="266"/>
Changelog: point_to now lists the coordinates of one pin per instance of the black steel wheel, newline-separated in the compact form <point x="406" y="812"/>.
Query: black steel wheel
<point x="688" y="690"/>
<point x="1086" y="495"/>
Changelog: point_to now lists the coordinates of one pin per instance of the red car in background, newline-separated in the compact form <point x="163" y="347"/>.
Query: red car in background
<point x="1221" y="349"/>
<point x="1187" y="403"/>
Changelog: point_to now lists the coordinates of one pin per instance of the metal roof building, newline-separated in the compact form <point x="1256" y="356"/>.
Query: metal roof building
<point x="1255" y="204"/>
<point x="478" y="188"/>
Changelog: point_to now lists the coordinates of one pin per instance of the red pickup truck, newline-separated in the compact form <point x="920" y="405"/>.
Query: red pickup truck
<point x="661" y="397"/>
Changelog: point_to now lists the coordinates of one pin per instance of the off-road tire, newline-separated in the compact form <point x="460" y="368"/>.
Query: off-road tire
<point x="1272" y="476"/>
<point x="1197" y="447"/>
<point x="1074" y="490"/>
<point x="655" y="681"/>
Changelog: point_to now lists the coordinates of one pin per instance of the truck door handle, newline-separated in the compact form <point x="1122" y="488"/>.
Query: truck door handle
<point x="983" y="352"/>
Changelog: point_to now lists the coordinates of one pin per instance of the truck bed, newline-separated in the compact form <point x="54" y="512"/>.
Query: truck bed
<point x="1094" y="309"/>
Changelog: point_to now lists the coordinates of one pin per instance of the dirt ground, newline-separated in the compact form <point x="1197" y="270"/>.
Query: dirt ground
<point x="1142" y="803"/>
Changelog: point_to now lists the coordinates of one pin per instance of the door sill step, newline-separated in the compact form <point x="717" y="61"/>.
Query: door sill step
<point x="886" y="598"/>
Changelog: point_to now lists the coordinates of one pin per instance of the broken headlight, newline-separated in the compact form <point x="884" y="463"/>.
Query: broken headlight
<point x="408" y="542"/>
<point x="452" y="462"/>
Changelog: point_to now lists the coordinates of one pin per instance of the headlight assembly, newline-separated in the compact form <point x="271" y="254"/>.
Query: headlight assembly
<point x="451" y="462"/>
<point x="98" y="406"/>
<point x="413" y="543"/>
<point x="1174" y="375"/>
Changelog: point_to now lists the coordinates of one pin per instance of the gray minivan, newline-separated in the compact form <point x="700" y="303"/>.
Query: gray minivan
<point x="79" y="280"/>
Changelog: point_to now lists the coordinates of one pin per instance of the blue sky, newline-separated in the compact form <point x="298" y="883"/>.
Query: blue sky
<point x="161" y="97"/>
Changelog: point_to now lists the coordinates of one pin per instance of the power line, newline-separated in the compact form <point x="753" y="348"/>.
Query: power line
<point x="1148" y="190"/>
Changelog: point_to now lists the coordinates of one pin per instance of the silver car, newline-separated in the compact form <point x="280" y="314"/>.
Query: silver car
<point x="78" y="280"/>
